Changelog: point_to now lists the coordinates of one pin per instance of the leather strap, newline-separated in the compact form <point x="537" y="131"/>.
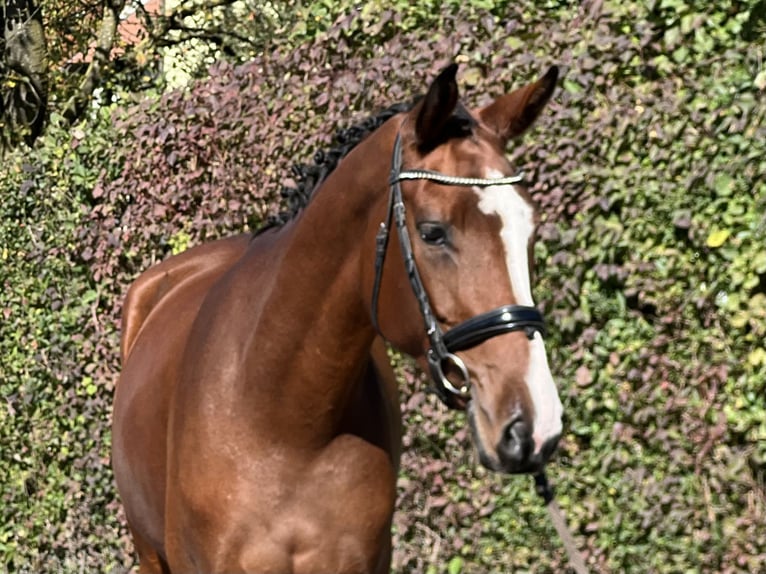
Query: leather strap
<point x="504" y="319"/>
<point x="468" y="334"/>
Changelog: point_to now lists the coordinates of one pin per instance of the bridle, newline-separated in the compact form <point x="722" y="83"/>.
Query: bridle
<point x="467" y="334"/>
<point x="471" y="332"/>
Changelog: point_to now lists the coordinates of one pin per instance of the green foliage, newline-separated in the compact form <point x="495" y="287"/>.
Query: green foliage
<point x="648" y="168"/>
<point x="54" y="421"/>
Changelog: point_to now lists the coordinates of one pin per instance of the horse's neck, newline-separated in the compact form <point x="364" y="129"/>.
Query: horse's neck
<point x="329" y="241"/>
<point x="315" y="309"/>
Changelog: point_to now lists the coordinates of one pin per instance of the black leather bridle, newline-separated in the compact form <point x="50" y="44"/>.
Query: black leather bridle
<point x="468" y="334"/>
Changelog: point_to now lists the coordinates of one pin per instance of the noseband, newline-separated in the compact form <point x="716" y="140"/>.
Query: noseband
<point x="443" y="346"/>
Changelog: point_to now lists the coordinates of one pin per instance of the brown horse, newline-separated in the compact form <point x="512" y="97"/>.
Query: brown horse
<point x="256" y="422"/>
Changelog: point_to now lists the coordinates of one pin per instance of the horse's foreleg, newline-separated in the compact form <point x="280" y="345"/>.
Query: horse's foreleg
<point x="149" y="560"/>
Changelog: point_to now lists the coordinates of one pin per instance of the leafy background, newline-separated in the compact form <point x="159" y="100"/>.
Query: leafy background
<point x="649" y="170"/>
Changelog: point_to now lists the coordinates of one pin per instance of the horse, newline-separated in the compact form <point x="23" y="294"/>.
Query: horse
<point x="256" y="422"/>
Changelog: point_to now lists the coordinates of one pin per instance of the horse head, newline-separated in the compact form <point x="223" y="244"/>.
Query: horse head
<point x="462" y="302"/>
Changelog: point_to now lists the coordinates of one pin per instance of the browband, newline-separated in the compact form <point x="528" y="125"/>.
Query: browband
<point x="445" y="179"/>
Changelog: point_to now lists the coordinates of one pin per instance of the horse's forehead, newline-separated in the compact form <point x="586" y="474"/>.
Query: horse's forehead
<point x="518" y="221"/>
<point x="490" y="162"/>
<point x="468" y="156"/>
<point x="479" y="156"/>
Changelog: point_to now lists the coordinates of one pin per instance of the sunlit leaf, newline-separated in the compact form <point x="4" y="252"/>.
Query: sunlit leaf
<point x="717" y="238"/>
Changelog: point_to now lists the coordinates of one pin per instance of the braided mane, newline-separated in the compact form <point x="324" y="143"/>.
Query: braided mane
<point x="310" y="176"/>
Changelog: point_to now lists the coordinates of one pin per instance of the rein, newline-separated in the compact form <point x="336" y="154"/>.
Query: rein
<point x="544" y="489"/>
<point x="470" y="333"/>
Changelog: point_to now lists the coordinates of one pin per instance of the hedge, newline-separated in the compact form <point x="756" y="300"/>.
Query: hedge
<point x="648" y="168"/>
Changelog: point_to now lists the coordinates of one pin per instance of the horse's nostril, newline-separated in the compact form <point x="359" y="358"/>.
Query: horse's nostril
<point x="516" y="444"/>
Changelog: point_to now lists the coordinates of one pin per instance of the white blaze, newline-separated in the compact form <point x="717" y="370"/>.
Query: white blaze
<point x="517" y="219"/>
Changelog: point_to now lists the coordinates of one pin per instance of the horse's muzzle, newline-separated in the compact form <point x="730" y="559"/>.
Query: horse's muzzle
<point x="516" y="448"/>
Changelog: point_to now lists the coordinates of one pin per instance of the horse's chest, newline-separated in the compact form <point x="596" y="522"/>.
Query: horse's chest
<point x="339" y="519"/>
<point x="332" y="516"/>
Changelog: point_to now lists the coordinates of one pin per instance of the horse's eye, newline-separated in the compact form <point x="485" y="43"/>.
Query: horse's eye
<point x="433" y="233"/>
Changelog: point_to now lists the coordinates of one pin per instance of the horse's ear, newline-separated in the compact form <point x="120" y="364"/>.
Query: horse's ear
<point x="510" y="115"/>
<point x="436" y="108"/>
